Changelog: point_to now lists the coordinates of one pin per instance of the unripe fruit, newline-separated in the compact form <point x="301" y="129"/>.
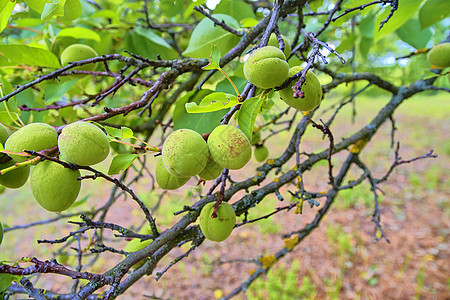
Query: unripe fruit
<point x="53" y="186"/>
<point x="167" y="181"/>
<point x="312" y="91"/>
<point x="185" y="153"/>
<point x="266" y="67"/>
<point x="211" y="171"/>
<point x="83" y="143"/>
<point x="261" y="153"/>
<point x="78" y="52"/>
<point x="273" y="41"/>
<point x="16" y="178"/>
<point x="3" y="134"/>
<point x="229" y="147"/>
<point x="34" y="136"/>
<point x="219" y="228"/>
<point x="439" y="55"/>
<point x="2" y="189"/>
<point x="256" y="137"/>
<point x="136" y="245"/>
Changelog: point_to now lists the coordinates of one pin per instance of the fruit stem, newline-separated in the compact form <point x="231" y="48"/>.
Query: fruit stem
<point x="20" y="165"/>
<point x="231" y="81"/>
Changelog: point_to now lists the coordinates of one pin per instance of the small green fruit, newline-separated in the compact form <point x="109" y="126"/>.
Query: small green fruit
<point x="211" y="171"/>
<point x="261" y="153"/>
<point x="136" y="245"/>
<point x="256" y="137"/>
<point x="53" y="186"/>
<point x="229" y="147"/>
<point x="83" y="143"/>
<point x="219" y="228"/>
<point x="16" y="178"/>
<point x="311" y="89"/>
<point x="3" y="134"/>
<point x="167" y="181"/>
<point x="266" y="67"/>
<point x="185" y="153"/>
<point x="274" y="42"/>
<point x="2" y="189"/>
<point x="78" y="52"/>
<point x="34" y="136"/>
<point x="439" y="55"/>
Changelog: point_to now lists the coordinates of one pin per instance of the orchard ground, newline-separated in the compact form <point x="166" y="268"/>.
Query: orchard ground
<point x="338" y="261"/>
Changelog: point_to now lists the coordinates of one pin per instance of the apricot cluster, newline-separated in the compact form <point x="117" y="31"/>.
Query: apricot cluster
<point x="54" y="186"/>
<point x="185" y="154"/>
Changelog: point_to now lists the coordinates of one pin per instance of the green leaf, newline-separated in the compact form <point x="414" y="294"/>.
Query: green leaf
<point x="79" y="33"/>
<point x="6" y="8"/>
<point x="72" y="10"/>
<point x="412" y="34"/>
<point x="315" y="4"/>
<point x="122" y="133"/>
<point x="249" y="22"/>
<point x="23" y="54"/>
<point x="54" y="91"/>
<point x="36" y="5"/>
<point x="433" y="11"/>
<point x="121" y="162"/>
<point x="6" y="280"/>
<point x="247" y="115"/>
<point x="213" y="102"/>
<point x="406" y="9"/>
<point x="147" y="43"/>
<point x="214" y="59"/>
<point x="226" y="87"/>
<point x="206" y="33"/>
<point x="201" y="122"/>
<point x="53" y="9"/>
<point x="364" y="46"/>
<point x="367" y="26"/>
<point x="238" y="9"/>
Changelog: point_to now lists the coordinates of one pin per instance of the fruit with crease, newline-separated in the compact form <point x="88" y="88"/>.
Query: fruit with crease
<point x="185" y="153"/>
<point x="229" y="147"/>
<point x="261" y="153"/>
<point x="219" y="228"/>
<point x="76" y="52"/>
<point x="53" y="186"/>
<point x="83" y="144"/>
<point x="34" y="136"/>
<point x="266" y="67"/>
<point x="312" y="91"/>
<point x="166" y="180"/>
<point x="439" y="55"/>
<point x="16" y="178"/>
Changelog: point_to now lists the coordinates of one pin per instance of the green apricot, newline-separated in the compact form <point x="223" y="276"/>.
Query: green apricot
<point x="16" y="178"/>
<point x="167" y="181"/>
<point x="34" y="136"/>
<point x="439" y="55"/>
<point x="78" y="52"/>
<point x="83" y="144"/>
<point x="185" y="153"/>
<point x="3" y="134"/>
<point x="311" y="89"/>
<point x="229" y="147"/>
<point x="2" y="189"/>
<point x="266" y="67"/>
<point x="219" y="228"/>
<point x="273" y="41"/>
<point x="256" y="137"/>
<point x="211" y="171"/>
<point x="261" y="153"/>
<point x="53" y="186"/>
<point x="136" y="245"/>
